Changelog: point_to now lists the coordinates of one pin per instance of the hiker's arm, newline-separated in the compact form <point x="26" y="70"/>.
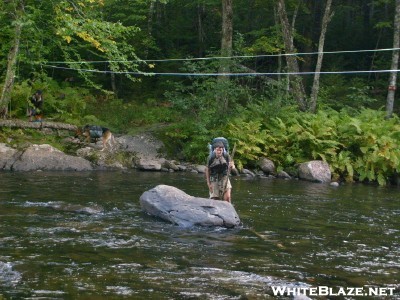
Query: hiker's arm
<point x="231" y="164"/>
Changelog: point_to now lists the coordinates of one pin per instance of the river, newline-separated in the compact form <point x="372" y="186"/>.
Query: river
<point x="294" y="234"/>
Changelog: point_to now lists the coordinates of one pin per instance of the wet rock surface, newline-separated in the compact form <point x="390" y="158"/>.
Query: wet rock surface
<point x="173" y="205"/>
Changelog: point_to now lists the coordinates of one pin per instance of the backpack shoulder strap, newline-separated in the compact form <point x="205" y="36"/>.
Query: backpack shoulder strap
<point x="210" y="158"/>
<point x="227" y="157"/>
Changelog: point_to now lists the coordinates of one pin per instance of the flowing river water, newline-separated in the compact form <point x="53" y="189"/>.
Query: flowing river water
<point x="294" y="234"/>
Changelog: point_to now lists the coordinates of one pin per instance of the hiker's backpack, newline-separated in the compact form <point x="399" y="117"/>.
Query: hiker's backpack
<point x="96" y="132"/>
<point x="219" y="139"/>
<point x="221" y="168"/>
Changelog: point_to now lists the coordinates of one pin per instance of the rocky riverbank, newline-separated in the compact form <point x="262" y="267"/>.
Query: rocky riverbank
<point x="142" y="151"/>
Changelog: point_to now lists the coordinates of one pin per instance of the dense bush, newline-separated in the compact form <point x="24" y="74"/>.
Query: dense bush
<point x="62" y="102"/>
<point x="361" y="146"/>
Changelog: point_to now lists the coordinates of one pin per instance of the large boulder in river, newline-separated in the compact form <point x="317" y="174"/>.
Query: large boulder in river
<point x="46" y="157"/>
<point x="315" y="170"/>
<point x="173" y="205"/>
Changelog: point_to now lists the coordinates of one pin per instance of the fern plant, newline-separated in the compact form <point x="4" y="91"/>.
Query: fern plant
<point x="374" y="142"/>
<point x="250" y="139"/>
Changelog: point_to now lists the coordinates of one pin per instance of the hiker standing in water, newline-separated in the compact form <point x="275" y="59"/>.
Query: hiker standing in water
<point x="219" y="164"/>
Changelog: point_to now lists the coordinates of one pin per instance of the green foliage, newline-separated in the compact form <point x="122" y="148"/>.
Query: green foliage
<point x="60" y="102"/>
<point x="265" y="41"/>
<point x="358" y="144"/>
<point x="298" y="137"/>
<point x="19" y="100"/>
<point x="211" y="107"/>
<point x="250" y="139"/>
<point x="75" y="105"/>
<point x="363" y="147"/>
<point x="338" y="92"/>
<point x="374" y="143"/>
<point x="85" y="28"/>
<point x="22" y="138"/>
<point x="127" y="117"/>
<point x="188" y="140"/>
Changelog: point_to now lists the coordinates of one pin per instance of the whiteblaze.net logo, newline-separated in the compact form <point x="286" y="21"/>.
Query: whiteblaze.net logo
<point x="329" y="291"/>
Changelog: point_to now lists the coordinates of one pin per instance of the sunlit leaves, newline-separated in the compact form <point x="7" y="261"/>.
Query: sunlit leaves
<point x="90" y="39"/>
<point x="86" y="34"/>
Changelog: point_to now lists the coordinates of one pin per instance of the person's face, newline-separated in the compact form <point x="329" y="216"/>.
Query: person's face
<point x="219" y="151"/>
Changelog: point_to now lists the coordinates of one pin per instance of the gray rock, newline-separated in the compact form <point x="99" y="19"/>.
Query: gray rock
<point x="7" y="156"/>
<point x="46" y="157"/>
<point x="315" y="170"/>
<point x="149" y="164"/>
<point x="173" y="205"/>
<point x="248" y="173"/>
<point x="283" y="174"/>
<point x="200" y="168"/>
<point x="146" y="149"/>
<point x="170" y="165"/>
<point x="267" y="166"/>
<point x="182" y="168"/>
<point x="144" y="145"/>
<point x="102" y="159"/>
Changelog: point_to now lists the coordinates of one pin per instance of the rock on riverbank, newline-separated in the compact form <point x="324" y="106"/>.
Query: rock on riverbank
<point x="40" y="157"/>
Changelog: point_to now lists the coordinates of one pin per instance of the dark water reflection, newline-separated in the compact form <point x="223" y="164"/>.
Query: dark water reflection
<point x="294" y="234"/>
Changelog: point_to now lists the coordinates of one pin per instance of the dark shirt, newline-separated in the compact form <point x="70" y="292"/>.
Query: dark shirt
<point x="37" y="101"/>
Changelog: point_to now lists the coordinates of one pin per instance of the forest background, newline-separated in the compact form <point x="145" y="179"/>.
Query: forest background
<point x="290" y="80"/>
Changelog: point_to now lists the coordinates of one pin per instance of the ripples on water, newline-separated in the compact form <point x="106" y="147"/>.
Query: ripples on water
<point x="293" y="234"/>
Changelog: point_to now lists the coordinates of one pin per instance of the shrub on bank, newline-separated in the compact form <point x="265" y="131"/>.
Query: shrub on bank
<point x="361" y="146"/>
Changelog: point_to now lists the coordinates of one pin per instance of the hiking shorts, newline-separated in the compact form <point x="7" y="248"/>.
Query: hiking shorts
<point x="219" y="187"/>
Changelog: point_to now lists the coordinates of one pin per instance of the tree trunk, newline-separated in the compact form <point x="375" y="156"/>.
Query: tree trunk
<point x="150" y="19"/>
<point x="37" y="125"/>
<point x="395" y="63"/>
<point x="315" y="88"/>
<point x="114" y="85"/>
<point x="227" y="28"/>
<point x="200" y="30"/>
<point x="11" y="67"/>
<point x="226" y="44"/>
<point x="296" y="11"/>
<point x="293" y="66"/>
